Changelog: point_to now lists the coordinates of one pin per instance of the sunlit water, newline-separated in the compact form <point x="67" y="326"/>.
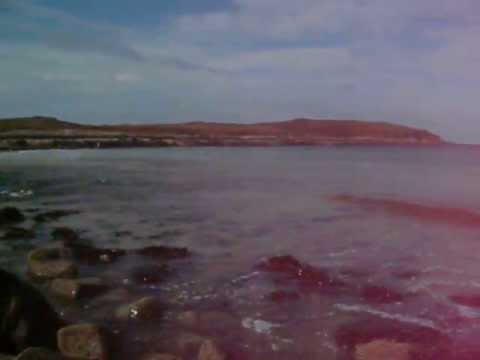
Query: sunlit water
<point x="235" y="207"/>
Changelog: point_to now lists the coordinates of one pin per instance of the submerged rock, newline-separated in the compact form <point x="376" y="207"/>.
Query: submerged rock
<point x="36" y="353"/>
<point x="306" y="276"/>
<point x="91" y="255"/>
<point x="65" y="234"/>
<point x="72" y="289"/>
<point x="383" y="350"/>
<point x="50" y="263"/>
<point x="53" y="215"/>
<point x="164" y="252"/>
<point x="160" y="357"/>
<point x="11" y="215"/>
<point x="147" y="308"/>
<point x="149" y="274"/>
<point x="16" y="233"/>
<point x="26" y="318"/>
<point x="209" y="350"/>
<point x="82" y="342"/>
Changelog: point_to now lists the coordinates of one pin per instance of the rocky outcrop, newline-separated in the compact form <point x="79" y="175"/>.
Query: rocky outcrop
<point x="26" y="318"/>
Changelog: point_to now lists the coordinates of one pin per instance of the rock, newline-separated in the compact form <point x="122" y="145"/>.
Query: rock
<point x="53" y="215"/>
<point x="95" y="256"/>
<point x="65" y="234"/>
<point x="147" y="308"/>
<point x="382" y="350"/>
<point x="381" y="295"/>
<point x="7" y="357"/>
<point x="35" y="353"/>
<point x="188" y="319"/>
<point x="15" y="233"/>
<point x="164" y="252"/>
<point x="82" y="341"/>
<point x="189" y="343"/>
<point x="306" y="276"/>
<point x="26" y="318"/>
<point x="72" y="289"/>
<point x="10" y="215"/>
<point x="50" y="263"/>
<point x="209" y="350"/>
<point x="160" y="357"/>
<point x="149" y="274"/>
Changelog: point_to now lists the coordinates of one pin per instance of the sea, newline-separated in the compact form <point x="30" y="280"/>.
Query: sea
<point x="296" y="252"/>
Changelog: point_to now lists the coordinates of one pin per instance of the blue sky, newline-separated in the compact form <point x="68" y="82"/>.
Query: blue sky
<point x="412" y="62"/>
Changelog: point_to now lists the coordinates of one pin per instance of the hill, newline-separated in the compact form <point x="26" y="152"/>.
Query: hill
<point x="38" y="131"/>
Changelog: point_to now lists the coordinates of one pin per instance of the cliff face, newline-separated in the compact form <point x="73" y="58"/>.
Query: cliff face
<point x="292" y="132"/>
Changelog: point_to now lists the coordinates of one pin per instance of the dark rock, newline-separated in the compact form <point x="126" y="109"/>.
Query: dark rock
<point x="147" y="308"/>
<point x="306" y="276"/>
<point x="164" y="252"/>
<point x="36" y="353"/>
<point x="26" y="318"/>
<point x="66" y="234"/>
<point x="11" y="215"/>
<point x="149" y="274"/>
<point x="91" y="255"/>
<point x="209" y="350"/>
<point x="72" y="289"/>
<point x="16" y="233"/>
<point x="160" y="357"/>
<point x="281" y="296"/>
<point x="50" y="263"/>
<point x="82" y="341"/>
<point x="381" y="295"/>
<point x="53" y="215"/>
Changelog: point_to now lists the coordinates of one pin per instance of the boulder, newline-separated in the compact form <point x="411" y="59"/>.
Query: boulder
<point x="65" y="234"/>
<point x="72" y="289"/>
<point x="36" y="353"/>
<point x="160" y="357"/>
<point x="147" y="308"/>
<point x="164" y="252"/>
<point x="15" y="233"/>
<point x="53" y="215"/>
<point x="50" y="263"/>
<point x="209" y="350"/>
<point x="82" y="342"/>
<point x="26" y="318"/>
<point x="188" y="343"/>
<point x="149" y="274"/>
<point x="11" y="215"/>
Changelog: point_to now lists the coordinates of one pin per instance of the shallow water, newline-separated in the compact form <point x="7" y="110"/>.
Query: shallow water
<point x="236" y="207"/>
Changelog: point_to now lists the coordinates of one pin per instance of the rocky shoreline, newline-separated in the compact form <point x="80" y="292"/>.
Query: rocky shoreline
<point x="76" y="302"/>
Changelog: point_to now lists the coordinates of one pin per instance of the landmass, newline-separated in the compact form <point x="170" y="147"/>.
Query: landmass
<point x="47" y="132"/>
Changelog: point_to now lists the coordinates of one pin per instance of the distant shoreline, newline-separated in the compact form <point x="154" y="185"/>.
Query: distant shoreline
<point x="49" y="133"/>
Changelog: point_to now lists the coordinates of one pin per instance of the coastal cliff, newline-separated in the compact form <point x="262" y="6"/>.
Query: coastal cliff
<point x="47" y="132"/>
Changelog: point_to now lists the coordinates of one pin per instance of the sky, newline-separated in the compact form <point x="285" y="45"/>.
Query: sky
<point x="411" y="62"/>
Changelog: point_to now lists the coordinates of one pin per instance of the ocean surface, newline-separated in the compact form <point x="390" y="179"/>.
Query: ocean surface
<point x="401" y="264"/>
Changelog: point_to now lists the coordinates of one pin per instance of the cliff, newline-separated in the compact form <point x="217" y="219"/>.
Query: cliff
<point x="43" y="132"/>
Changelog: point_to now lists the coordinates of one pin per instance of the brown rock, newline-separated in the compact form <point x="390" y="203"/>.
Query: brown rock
<point x="209" y="350"/>
<point x="49" y="263"/>
<point x="35" y="353"/>
<point x="188" y="319"/>
<point x="189" y="343"/>
<point x="82" y="341"/>
<point x="160" y="357"/>
<point x="382" y="350"/>
<point x="72" y="289"/>
<point x="147" y="308"/>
